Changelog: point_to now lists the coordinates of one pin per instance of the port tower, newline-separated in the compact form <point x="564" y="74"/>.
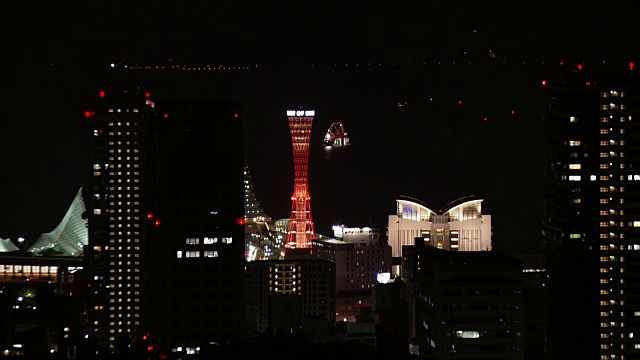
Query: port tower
<point x="300" y="232"/>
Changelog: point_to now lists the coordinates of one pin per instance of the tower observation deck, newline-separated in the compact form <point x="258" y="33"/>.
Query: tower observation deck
<point x="300" y="232"/>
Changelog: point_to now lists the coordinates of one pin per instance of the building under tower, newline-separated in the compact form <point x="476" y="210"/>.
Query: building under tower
<point x="300" y="232"/>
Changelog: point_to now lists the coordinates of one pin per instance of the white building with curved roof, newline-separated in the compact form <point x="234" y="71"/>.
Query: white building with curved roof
<point x="70" y="236"/>
<point x="459" y="226"/>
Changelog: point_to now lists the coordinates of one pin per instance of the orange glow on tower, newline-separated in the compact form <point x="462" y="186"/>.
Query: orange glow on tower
<point x="300" y="231"/>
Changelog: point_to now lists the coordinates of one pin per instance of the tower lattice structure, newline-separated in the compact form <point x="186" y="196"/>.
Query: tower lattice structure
<point x="300" y="230"/>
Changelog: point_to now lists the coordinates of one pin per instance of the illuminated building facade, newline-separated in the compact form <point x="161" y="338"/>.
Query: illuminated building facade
<point x="592" y="223"/>
<point x="166" y="221"/>
<point x="300" y="231"/>
<point x="459" y="226"/>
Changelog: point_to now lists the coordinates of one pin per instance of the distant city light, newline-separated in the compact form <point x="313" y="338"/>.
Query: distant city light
<point x="20" y="239"/>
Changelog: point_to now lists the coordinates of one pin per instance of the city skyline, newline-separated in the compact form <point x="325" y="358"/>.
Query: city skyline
<point x="46" y="150"/>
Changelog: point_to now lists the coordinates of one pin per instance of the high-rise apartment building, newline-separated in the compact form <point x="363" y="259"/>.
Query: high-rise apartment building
<point x="166" y="220"/>
<point x="592" y="222"/>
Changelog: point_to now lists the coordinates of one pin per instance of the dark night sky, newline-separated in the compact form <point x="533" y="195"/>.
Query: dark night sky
<point x="52" y="49"/>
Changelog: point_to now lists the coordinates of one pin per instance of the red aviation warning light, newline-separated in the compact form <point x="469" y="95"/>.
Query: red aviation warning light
<point x="631" y="65"/>
<point x="149" y="216"/>
<point x="157" y="223"/>
<point x="240" y="221"/>
<point x="544" y="82"/>
<point x="101" y="94"/>
<point x="579" y="66"/>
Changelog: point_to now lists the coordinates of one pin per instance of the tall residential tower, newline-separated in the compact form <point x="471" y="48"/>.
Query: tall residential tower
<point x="592" y="220"/>
<point x="166" y="220"/>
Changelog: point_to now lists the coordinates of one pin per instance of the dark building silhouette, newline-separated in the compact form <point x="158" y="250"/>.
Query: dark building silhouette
<point x="287" y="297"/>
<point x="166" y="219"/>
<point x="592" y="224"/>
<point x="467" y="304"/>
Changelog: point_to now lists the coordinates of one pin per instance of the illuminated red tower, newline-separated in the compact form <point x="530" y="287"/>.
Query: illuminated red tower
<point x="300" y="224"/>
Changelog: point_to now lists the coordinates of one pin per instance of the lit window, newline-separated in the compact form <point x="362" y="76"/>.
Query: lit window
<point x="574" y="142"/>
<point x="574" y="177"/>
<point x="575" y="166"/>
<point x="179" y="254"/>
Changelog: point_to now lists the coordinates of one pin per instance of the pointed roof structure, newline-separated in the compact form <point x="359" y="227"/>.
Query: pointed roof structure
<point x="6" y="245"/>
<point x="70" y="236"/>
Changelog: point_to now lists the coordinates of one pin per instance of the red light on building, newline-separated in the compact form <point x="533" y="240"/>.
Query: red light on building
<point x="484" y="119"/>
<point x="459" y="102"/>
<point x="544" y="82"/>
<point x="166" y="116"/>
<point x="588" y="83"/>
<point x="157" y="223"/>
<point x="101" y="93"/>
<point x="579" y="66"/>
<point x="150" y="347"/>
<point x="236" y="115"/>
<point x="149" y="216"/>
<point x="147" y="94"/>
<point x="513" y="112"/>
<point x="240" y="221"/>
<point x="89" y="113"/>
<point x="631" y="65"/>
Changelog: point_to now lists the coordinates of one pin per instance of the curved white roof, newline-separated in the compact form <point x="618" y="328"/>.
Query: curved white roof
<point x="70" y="236"/>
<point x="6" y="245"/>
<point x="469" y="207"/>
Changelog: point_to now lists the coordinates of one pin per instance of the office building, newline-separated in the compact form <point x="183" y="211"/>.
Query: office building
<point x="360" y="259"/>
<point x="467" y="304"/>
<point x="592" y="225"/>
<point x="166" y="220"/>
<point x="291" y="297"/>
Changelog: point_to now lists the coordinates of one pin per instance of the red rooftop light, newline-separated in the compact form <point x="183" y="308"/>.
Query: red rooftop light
<point x="101" y="93"/>
<point x="147" y="94"/>
<point x="157" y="223"/>
<point x="631" y="65"/>
<point x="579" y="66"/>
<point x="240" y="221"/>
<point x="149" y="216"/>
<point x="544" y="82"/>
<point x="236" y="115"/>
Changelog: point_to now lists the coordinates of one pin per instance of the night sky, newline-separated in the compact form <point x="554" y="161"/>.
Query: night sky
<point x="52" y="53"/>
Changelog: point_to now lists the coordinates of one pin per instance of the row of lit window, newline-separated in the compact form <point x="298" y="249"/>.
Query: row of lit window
<point x="113" y="263"/>
<point x="119" y="111"/>
<point x="611" y="302"/>
<point x="611" y="258"/>
<point x="607" y="281"/>
<point x="601" y="178"/>
<point x="603" y="119"/>
<point x="196" y="254"/>
<point x="612" y="106"/>
<point x="611" y="324"/>
<point x="607" y="270"/>
<point x="612" y="247"/>
<point x="209" y="240"/>
<point x="612" y="93"/>
<point x="128" y="300"/>
<point x="620" y="224"/>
